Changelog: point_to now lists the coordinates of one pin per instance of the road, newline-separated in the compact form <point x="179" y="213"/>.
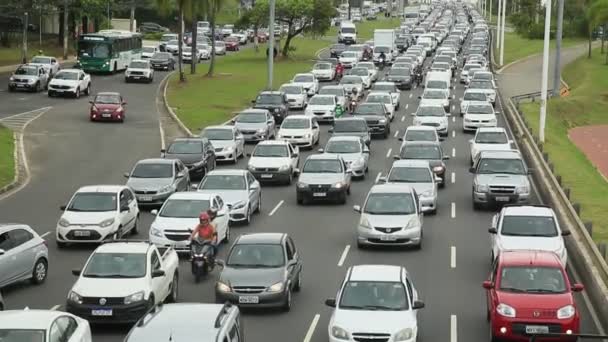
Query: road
<point x="66" y="151"/>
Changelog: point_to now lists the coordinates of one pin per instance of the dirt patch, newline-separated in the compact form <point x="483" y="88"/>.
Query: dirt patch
<point x="593" y="141"/>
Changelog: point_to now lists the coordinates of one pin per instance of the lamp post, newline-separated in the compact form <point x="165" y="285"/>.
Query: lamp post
<point x="271" y="44"/>
<point x="545" y="75"/>
<point x="498" y="24"/>
<point x="502" y="32"/>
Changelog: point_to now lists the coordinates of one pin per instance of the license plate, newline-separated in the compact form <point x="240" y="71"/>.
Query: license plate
<point x="82" y="233"/>
<point x="20" y="85"/>
<point x="387" y="238"/>
<point x="136" y="77"/>
<point x="106" y="115"/>
<point x="145" y="198"/>
<point x="502" y="199"/>
<point x="249" y="299"/>
<point x="199" y="263"/>
<point x="319" y="194"/>
<point x="101" y="312"/>
<point x="537" y="329"/>
<point x="267" y="176"/>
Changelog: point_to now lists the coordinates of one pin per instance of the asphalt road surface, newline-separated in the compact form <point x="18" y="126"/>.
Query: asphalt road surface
<point x="67" y="151"/>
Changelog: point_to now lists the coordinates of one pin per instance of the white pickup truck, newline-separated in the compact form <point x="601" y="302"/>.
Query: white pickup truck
<point x="122" y="280"/>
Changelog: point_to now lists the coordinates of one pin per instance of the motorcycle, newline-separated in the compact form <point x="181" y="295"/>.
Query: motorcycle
<point x="202" y="260"/>
<point x="352" y="104"/>
<point x="381" y="63"/>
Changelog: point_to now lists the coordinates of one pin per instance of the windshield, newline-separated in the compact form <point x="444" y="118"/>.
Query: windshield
<point x="292" y="90"/>
<point x="94" y="49"/>
<point x="93" y="201"/>
<point x="167" y="38"/>
<point x="528" y="226"/>
<point x="186" y="147"/>
<point x="387" y="88"/>
<point x="172" y="42"/>
<point x="342" y="146"/>
<point x="148" y="49"/>
<point x="348" y="30"/>
<point x="203" y="47"/>
<point x="426" y="152"/>
<point x="41" y="60"/>
<point x="218" y="134"/>
<point x="322" y="66"/>
<point x="380" y="49"/>
<point x="436" y="84"/>
<point x="184" y="208"/>
<point x="251" y="117"/>
<point x="435" y="95"/>
<point x="349" y="54"/>
<point x="276" y="151"/>
<point x="480" y="109"/>
<point x="351" y="80"/>
<point x="359" y="72"/>
<point x="295" y="124"/>
<point x="350" y="126"/>
<point x="373" y="295"/>
<point x="138" y="65"/>
<point x="269" y="100"/>
<point x="481" y="85"/>
<point x="532" y="279"/>
<point x="338" y="47"/>
<point x="420" y="135"/>
<point x="107" y="99"/>
<point x="470" y="96"/>
<point x="116" y="265"/>
<point x="149" y="170"/>
<point x="430" y="111"/>
<point x="390" y="204"/>
<point x="440" y="66"/>
<point x="493" y="165"/>
<point x="400" y="72"/>
<point x="22" y="335"/>
<point x="491" y="138"/>
<point x="223" y="182"/>
<point x="332" y="91"/>
<point x="369" y="109"/>
<point x="372" y="98"/>
<point x="322" y="166"/>
<point x="30" y="71"/>
<point x="162" y="55"/>
<point x="322" y="100"/>
<point x="256" y="255"/>
<point x="410" y="175"/>
<point x="470" y="66"/>
<point x="66" y="75"/>
<point x="304" y="78"/>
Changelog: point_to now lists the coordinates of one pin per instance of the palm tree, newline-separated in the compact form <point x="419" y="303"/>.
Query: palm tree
<point x="182" y="5"/>
<point x="197" y="7"/>
<point x="212" y="8"/>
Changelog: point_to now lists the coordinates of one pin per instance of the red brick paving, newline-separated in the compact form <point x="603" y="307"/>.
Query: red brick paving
<point x="593" y="141"/>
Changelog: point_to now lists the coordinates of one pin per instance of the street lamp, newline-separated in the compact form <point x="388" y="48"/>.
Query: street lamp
<point x="271" y="44"/>
<point x="545" y="76"/>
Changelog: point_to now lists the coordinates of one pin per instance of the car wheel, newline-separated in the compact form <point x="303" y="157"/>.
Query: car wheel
<point x="342" y="198"/>
<point x="118" y="235"/>
<point x="77" y="94"/>
<point x="36" y="88"/>
<point x="236" y="157"/>
<point x="248" y="217"/>
<point x="172" y="298"/>
<point x="298" y="286"/>
<point x="40" y="271"/>
<point x="476" y="206"/>
<point x="287" y="304"/>
<point x="290" y="178"/>
<point x="299" y="200"/>
<point x="258" y="209"/>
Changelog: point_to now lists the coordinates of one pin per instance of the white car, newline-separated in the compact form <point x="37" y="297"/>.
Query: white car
<point x="139" y="69"/>
<point x="353" y="150"/>
<point x="241" y="36"/>
<point x="175" y="220"/>
<point x="187" y="55"/>
<point x="274" y="161"/>
<point x="349" y="58"/>
<point x="489" y="139"/>
<point x="324" y="71"/>
<point x="296" y="95"/>
<point x="371" y="68"/>
<point x="527" y="227"/>
<point x="322" y="107"/>
<point x="353" y="84"/>
<point x="471" y="95"/>
<point x="97" y="213"/>
<point x="338" y="91"/>
<point x="70" y="82"/>
<point x="386" y="99"/>
<point x="43" y="325"/>
<point x="172" y="46"/>
<point x="391" y="88"/>
<point x="204" y="50"/>
<point x="375" y="301"/>
<point x="464" y="73"/>
<point x="227" y="141"/>
<point x="436" y="97"/>
<point x="148" y="51"/>
<point x="364" y="74"/>
<point x="434" y="116"/>
<point x="308" y="81"/>
<point x="50" y="64"/>
<point x="220" y="47"/>
<point x="300" y="130"/>
<point x="420" y="133"/>
<point x="479" y="114"/>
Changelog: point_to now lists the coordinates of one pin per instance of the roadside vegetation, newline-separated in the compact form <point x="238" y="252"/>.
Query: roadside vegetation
<point x="518" y="47"/>
<point x="12" y="55"/>
<point x="7" y="164"/>
<point x="586" y="105"/>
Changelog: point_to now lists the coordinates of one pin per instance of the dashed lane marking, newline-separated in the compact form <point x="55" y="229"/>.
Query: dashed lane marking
<point x="453" y="119"/>
<point x="396" y="134"/>
<point x="343" y="256"/>
<point x="453" y="134"/>
<point x="411" y="95"/>
<point x="276" y="208"/>
<point x="403" y="118"/>
<point x="453" y="210"/>
<point x="45" y="234"/>
<point x="388" y="153"/>
<point x="453" y="152"/>
<point x="453" y="177"/>
<point x="378" y="176"/>
<point x="452" y="257"/>
<point x="453" y="328"/>
<point x="312" y="327"/>
<point x="407" y="104"/>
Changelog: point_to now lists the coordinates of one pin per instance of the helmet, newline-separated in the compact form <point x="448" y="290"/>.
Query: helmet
<point x="203" y="216"/>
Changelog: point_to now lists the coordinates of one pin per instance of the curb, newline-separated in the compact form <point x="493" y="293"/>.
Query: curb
<point x="17" y="162"/>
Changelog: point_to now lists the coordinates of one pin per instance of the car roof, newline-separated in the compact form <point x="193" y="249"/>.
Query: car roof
<point x="197" y="139"/>
<point x="123" y="247"/>
<point x="156" y="161"/>
<point x="221" y="127"/>
<point x="324" y="95"/>
<point x="411" y="163"/>
<point x="291" y="85"/>
<point x="390" y="273"/>
<point x="140" y="60"/>
<point x="344" y="138"/>
<point x="272" y="142"/>
<point x="391" y="188"/>
<point x="529" y="258"/>
<point x="333" y="87"/>
<point x="297" y="116"/>
<point x="28" y="319"/>
<point x="323" y="156"/>
<point x="101" y="188"/>
<point x="108" y="93"/>
<point x="227" y="172"/>
<point x="70" y="70"/>
<point x="304" y="74"/>
<point x="420" y="128"/>
<point x="379" y="92"/>
<point x="492" y="129"/>
<point x="254" y="111"/>
<point x="349" y="119"/>
<point x="193" y="195"/>
<point x="261" y="238"/>
<point x="384" y="83"/>
<point x="527" y="210"/>
<point x="271" y="92"/>
<point x="512" y="154"/>
<point x="10" y="226"/>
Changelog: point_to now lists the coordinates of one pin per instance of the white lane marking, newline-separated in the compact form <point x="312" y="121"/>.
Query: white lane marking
<point x="311" y="329"/>
<point x="453" y="152"/>
<point x="453" y="108"/>
<point x="396" y="134"/>
<point x="276" y="208"/>
<point x="54" y="308"/>
<point x="453" y="257"/>
<point x="403" y="118"/>
<point x="343" y="256"/>
<point x="45" y="234"/>
<point x="453" y="119"/>
<point x="407" y="104"/>
<point x="411" y="95"/>
<point x="453" y="177"/>
<point x="453" y="134"/>
<point x="453" y="328"/>
<point x="388" y="153"/>
<point x="453" y="210"/>
<point x="378" y="176"/>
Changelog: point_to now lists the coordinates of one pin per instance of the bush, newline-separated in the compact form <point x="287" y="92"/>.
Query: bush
<point x="153" y="35"/>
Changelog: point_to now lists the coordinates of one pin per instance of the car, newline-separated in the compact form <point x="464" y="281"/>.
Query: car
<point x="352" y="150"/>
<point x="428" y="151"/>
<point x="204" y="50"/>
<point x="324" y="108"/>
<point x="364" y="74"/>
<point x="227" y="30"/>
<point x="308" y="81"/>
<point x="274" y="161"/>
<point x="433" y="116"/>
<point x="238" y="189"/>
<point x="489" y="139"/>
<point x="349" y="58"/>
<point x="419" y="175"/>
<point x="336" y="49"/>
<point x="484" y="75"/>
<point x="96" y="213"/>
<point x="479" y="114"/>
<point x="43" y="325"/>
<point x="152" y="28"/>
<point x="164" y="39"/>
<point x="241" y="36"/>
<point x="402" y="77"/>
<point x="107" y="106"/>
<point x="70" y="82"/>
<point x="350" y="126"/>
<point x="232" y="43"/>
<point x="323" y="71"/>
<point x="29" y="77"/>
<point x="276" y="263"/>
<point x="153" y="180"/>
<point x="24" y="255"/>
<point x="122" y="280"/>
<point x="220" y="322"/>
<point x="338" y="91"/>
<point x="384" y="98"/>
<point x="50" y="64"/>
<point x="486" y="87"/>
<point x="471" y="95"/>
<point x="323" y="177"/>
<point x="420" y="133"/>
<point x="197" y="154"/>
<point x="436" y="97"/>
<point x="187" y="55"/>
<point x="179" y="215"/>
<point x="500" y="177"/>
<point x="391" y="88"/>
<point x="220" y="47"/>
<point x="255" y="124"/>
<point x="148" y="51"/>
<point x="353" y="85"/>
<point x="464" y="73"/>
<point x="275" y="102"/>
<point x="377" y="117"/>
<point x="370" y="294"/>
<point x="296" y="95"/>
<point x="227" y="141"/>
<point x="529" y="292"/>
<point x="162" y="61"/>
<point x="300" y="130"/>
<point x="172" y="46"/>
<point x="391" y="215"/>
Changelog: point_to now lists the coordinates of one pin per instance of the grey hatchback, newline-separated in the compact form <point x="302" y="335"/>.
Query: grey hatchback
<point x="23" y="255"/>
<point x="154" y="180"/>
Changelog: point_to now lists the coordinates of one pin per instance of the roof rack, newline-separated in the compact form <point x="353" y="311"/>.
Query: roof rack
<point x="127" y="241"/>
<point x="223" y="312"/>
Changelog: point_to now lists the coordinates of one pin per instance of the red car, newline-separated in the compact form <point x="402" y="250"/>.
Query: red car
<point x="232" y="43"/>
<point x="529" y="293"/>
<point x="107" y="106"/>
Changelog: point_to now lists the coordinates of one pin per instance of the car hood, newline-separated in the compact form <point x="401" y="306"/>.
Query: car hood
<point x="267" y="106"/>
<point x="348" y="59"/>
<point x="421" y="187"/>
<point x="109" y="287"/>
<point x="229" y="196"/>
<point x="163" y="223"/>
<point x="187" y="159"/>
<point x="376" y="321"/>
<point x="432" y="119"/>
<point x="107" y="106"/>
<point x="86" y="218"/>
<point x="491" y="147"/>
<point x="398" y="77"/>
<point x="252" y="276"/>
<point x="480" y="116"/>
<point x="25" y="77"/>
<point x="294" y="96"/>
<point x="486" y="91"/>
<point x="501" y="179"/>
<point x="350" y="134"/>
<point x="322" y="71"/>
<point x="148" y="184"/>
<point x="70" y="83"/>
<point x="294" y="131"/>
<point x="268" y="161"/>
<point x="551" y="244"/>
<point x="250" y="125"/>
<point x="433" y="102"/>
<point x="304" y="84"/>
<point x="45" y="66"/>
<point x="348" y="157"/>
<point x="159" y="60"/>
<point x="526" y="304"/>
<point x="222" y="143"/>
<point x="312" y="108"/>
<point x="389" y="221"/>
<point x="320" y="178"/>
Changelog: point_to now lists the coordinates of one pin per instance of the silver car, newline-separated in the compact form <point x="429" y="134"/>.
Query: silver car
<point x="154" y="180"/>
<point x="419" y="175"/>
<point x="30" y="77"/>
<point x="23" y="255"/>
<point x="352" y="150"/>
<point x="255" y="124"/>
<point x="391" y="215"/>
<point x="323" y="177"/>
<point x="227" y="141"/>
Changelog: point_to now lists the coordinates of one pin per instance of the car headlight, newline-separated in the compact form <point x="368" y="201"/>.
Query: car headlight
<point x="358" y="163"/>
<point x="302" y="185"/>
<point x="11" y="78"/>
<point x="481" y="188"/>
<point x="229" y="148"/>
<point x="566" y="312"/>
<point x="136" y="297"/>
<point x="64" y="223"/>
<point x="284" y="168"/>
<point x="156" y="232"/>
<point x="239" y="205"/>
<point x="337" y="185"/>
<point x="522" y="190"/>
<point x="307" y="136"/>
<point x="438" y="169"/>
<point x="505" y="310"/>
<point x="260" y="131"/>
<point x="382" y="121"/>
<point x="106" y="223"/>
<point x="404" y="335"/>
<point x="414" y="223"/>
<point x="30" y="81"/>
<point x="165" y="189"/>
<point x="278" y="287"/>
<point x="74" y="297"/>
<point x="250" y="167"/>
<point x="276" y="110"/>
<point x="364" y="223"/>
<point x="223" y="287"/>
<point x="427" y="193"/>
<point x="339" y="333"/>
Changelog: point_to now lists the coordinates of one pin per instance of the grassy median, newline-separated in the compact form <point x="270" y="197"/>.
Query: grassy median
<point x="7" y="163"/>
<point x="586" y="105"/>
<point x="518" y="47"/>
<point x="203" y="101"/>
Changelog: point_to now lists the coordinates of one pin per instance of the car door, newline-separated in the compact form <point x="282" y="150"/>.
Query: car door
<point x="208" y="154"/>
<point x="292" y="265"/>
<point x="491" y="293"/>
<point x="81" y="81"/>
<point x="124" y="211"/>
<point x="222" y="218"/>
<point x="418" y="208"/>
<point x="24" y="249"/>
<point x="366" y="151"/>
<point x="316" y="130"/>
<point x="133" y="207"/>
<point x="43" y="76"/>
<point x="270" y="123"/>
<point x="254" y="190"/>
<point x="159" y="284"/>
<point x="294" y="154"/>
<point x="8" y="270"/>
<point x="177" y="176"/>
<point x="494" y="238"/>
<point x="239" y="142"/>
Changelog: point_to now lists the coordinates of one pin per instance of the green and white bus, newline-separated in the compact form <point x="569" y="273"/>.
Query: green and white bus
<point x="108" y="50"/>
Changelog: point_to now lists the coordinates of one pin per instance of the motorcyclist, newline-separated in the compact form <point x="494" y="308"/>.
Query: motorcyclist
<point x="382" y="59"/>
<point x="205" y="232"/>
<point x="339" y="70"/>
<point x="353" y="100"/>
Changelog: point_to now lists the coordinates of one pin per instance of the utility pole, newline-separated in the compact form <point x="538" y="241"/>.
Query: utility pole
<point x="545" y="76"/>
<point x="109" y="25"/>
<point x="24" y="44"/>
<point x="490" y="20"/>
<point x="65" y="29"/>
<point x="132" y="17"/>
<point x="271" y="44"/>
<point x="557" y="73"/>
<point x="502" y="32"/>
<point x="498" y="25"/>
<point x="349" y="10"/>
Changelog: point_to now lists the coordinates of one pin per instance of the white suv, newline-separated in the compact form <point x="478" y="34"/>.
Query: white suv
<point x="376" y="302"/>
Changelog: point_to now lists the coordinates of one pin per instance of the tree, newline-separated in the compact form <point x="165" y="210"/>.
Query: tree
<point x="212" y="8"/>
<point x="597" y="15"/>
<point x="182" y="5"/>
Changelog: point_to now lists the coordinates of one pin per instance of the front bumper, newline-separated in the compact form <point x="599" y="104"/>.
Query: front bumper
<point x="331" y="194"/>
<point x="254" y="137"/>
<point x="516" y="328"/>
<point x="119" y="313"/>
<point x="21" y="86"/>
<point x="55" y="91"/>
<point x="131" y="77"/>
<point x="297" y="140"/>
<point x="107" y="116"/>
<point x="238" y="215"/>
<point x="264" y="299"/>
<point x="428" y="203"/>
<point x="398" y="237"/>
<point x="84" y="234"/>
<point x="180" y="246"/>
<point x="475" y="124"/>
<point x="224" y="155"/>
<point x="491" y="199"/>
<point x="324" y="77"/>
<point x="293" y="103"/>
<point x="161" y="66"/>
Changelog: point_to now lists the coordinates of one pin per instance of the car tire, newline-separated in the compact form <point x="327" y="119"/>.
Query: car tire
<point x="289" y="178"/>
<point x="77" y="93"/>
<point x="40" y="271"/>
<point x="236" y="158"/>
<point x="126" y="80"/>
<point x="300" y="200"/>
<point x="287" y="304"/>
<point x="248" y="216"/>
<point x="172" y="297"/>
<point x="477" y="206"/>
<point x="258" y="209"/>
<point x="298" y="286"/>
<point x="36" y="89"/>
<point x="342" y="198"/>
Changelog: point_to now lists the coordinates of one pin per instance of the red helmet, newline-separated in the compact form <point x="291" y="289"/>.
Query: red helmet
<point x="204" y="216"/>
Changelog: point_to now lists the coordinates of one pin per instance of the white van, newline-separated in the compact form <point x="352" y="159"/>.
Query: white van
<point x="438" y="80"/>
<point x="347" y="33"/>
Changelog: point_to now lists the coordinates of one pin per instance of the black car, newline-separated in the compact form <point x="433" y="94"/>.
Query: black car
<point x="376" y="116"/>
<point x="162" y="61"/>
<point x="430" y="151"/>
<point x="152" y="28"/>
<point x="196" y="153"/>
<point x="402" y="43"/>
<point x="261" y="271"/>
<point x="336" y="50"/>
<point x="402" y="77"/>
<point x="275" y="102"/>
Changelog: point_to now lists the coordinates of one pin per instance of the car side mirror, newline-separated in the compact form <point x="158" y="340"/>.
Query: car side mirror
<point x="124" y="208"/>
<point x="154" y="211"/>
<point x="418" y="304"/>
<point x="446" y="157"/>
<point x="253" y="101"/>
<point x="331" y="130"/>
<point x="63" y="207"/>
<point x="396" y="157"/>
<point x="331" y="302"/>
<point x="578" y="287"/>
<point x="91" y="102"/>
<point x="471" y="170"/>
<point x="420" y="96"/>
<point x="566" y="232"/>
<point x="320" y="150"/>
<point x="437" y="180"/>
<point x="357" y="208"/>
<point x="181" y="174"/>
<point x="269" y="121"/>
<point x="453" y="96"/>
<point x="488" y="285"/>
<point x="492" y="230"/>
<point x="158" y="273"/>
<point x="124" y="103"/>
<point x="76" y="272"/>
<point x="126" y="175"/>
<point x="511" y="141"/>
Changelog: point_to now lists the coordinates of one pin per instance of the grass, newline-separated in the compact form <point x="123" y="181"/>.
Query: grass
<point x="204" y="101"/>
<point x="365" y="29"/>
<point x="518" y="47"/>
<point x="49" y="47"/>
<point x="586" y="105"/>
<point x="7" y="163"/>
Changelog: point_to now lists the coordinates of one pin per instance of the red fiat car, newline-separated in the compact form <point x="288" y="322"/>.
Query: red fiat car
<point x="529" y="293"/>
<point x="107" y="106"/>
<point x="232" y="43"/>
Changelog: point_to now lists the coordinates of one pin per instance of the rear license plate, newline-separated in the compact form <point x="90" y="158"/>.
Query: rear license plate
<point x="537" y="329"/>
<point x="267" y="176"/>
<point x="387" y="238"/>
<point x="319" y="194"/>
<point x="249" y="299"/>
<point x="199" y="263"/>
<point x="101" y="312"/>
<point x="145" y="198"/>
<point x="502" y="199"/>
<point x="82" y="233"/>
